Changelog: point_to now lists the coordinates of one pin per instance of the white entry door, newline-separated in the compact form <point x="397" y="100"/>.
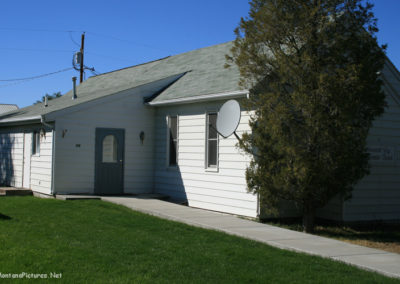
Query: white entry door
<point x="26" y="182"/>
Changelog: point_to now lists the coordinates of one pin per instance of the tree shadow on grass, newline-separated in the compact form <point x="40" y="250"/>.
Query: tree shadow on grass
<point x="4" y="217"/>
<point x="371" y="231"/>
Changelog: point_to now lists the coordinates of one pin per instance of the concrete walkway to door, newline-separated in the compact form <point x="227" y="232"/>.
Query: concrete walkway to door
<point x="367" y="258"/>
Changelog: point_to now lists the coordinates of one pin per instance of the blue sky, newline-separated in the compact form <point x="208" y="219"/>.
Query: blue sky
<point x="35" y="38"/>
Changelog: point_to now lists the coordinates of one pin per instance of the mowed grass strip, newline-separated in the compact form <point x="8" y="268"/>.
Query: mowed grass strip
<point x="94" y="241"/>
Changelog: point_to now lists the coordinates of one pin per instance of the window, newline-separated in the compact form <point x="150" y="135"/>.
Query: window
<point x="211" y="141"/>
<point x="172" y="140"/>
<point x="36" y="143"/>
<point x="109" y="149"/>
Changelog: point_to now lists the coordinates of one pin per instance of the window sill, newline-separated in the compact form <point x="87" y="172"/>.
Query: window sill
<point x="212" y="170"/>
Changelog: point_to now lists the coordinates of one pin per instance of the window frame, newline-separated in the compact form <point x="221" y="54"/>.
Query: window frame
<point x="35" y="145"/>
<point x="168" y="164"/>
<point x="206" y="166"/>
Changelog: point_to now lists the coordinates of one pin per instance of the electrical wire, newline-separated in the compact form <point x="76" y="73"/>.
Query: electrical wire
<point x="87" y="32"/>
<point x="107" y="56"/>
<point x="127" y="41"/>
<point x="12" y="84"/>
<point x="39" y="30"/>
<point x="76" y="43"/>
<point x="35" y="77"/>
<point x="34" y="49"/>
<point x="94" y="72"/>
<point x="24" y="80"/>
<point x="72" y="39"/>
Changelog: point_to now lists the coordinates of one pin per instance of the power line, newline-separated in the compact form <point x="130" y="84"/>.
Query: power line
<point x="21" y="81"/>
<point x="61" y="50"/>
<point x="39" y="30"/>
<point x="35" y="49"/>
<point x="127" y="41"/>
<point x="12" y="84"/>
<point x="72" y="39"/>
<point x="35" y="77"/>
<point x="88" y="32"/>
<point x="107" y="56"/>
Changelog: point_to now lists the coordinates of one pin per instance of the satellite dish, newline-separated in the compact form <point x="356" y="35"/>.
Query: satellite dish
<point x="228" y="118"/>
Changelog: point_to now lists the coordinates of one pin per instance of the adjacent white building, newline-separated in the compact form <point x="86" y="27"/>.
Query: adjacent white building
<point x="145" y="129"/>
<point x="7" y="107"/>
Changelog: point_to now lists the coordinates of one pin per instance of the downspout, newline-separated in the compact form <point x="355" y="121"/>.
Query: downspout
<point x="42" y="121"/>
<point x="53" y="152"/>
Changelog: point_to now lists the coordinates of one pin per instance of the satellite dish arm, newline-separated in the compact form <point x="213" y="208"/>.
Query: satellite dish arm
<point x="237" y="136"/>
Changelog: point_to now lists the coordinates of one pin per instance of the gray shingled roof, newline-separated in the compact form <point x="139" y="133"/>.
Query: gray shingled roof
<point x="7" y="107"/>
<point x="205" y="75"/>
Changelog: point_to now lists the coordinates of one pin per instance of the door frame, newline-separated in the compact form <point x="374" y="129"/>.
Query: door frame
<point x="96" y="169"/>
<point x="27" y="156"/>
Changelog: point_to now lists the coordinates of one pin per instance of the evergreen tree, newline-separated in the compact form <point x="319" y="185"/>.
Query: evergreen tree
<point x="312" y="67"/>
<point x="49" y="97"/>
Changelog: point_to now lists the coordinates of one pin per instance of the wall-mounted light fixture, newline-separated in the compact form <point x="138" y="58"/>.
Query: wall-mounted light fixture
<point x="42" y="133"/>
<point x="141" y="136"/>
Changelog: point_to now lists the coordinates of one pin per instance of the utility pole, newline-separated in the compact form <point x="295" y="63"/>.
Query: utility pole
<point x="82" y="47"/>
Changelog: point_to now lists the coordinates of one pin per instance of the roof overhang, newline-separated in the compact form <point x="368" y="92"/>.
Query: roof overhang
<point x="21" y="120"/>
<point x="202" y="98"/>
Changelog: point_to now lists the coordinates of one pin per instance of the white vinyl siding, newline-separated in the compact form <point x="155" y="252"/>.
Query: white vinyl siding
<point x="11" y="158"/>
<point x="75" y="152"/>
<point x="225" y="190"/>
<point x="377" y="196"/>
<point x="41" y="164"/>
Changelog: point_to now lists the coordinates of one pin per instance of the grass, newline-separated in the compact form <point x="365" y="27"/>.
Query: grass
<point x="380" y="236"/>
<point x="97" y="242"/>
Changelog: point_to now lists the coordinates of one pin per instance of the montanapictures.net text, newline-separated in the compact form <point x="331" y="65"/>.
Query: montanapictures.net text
<point x="30" y="275"/>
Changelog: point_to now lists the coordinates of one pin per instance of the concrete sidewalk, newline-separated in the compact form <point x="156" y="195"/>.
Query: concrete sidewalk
<point x="367" y="258"/>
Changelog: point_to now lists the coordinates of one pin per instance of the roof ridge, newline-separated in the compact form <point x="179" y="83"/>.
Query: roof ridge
<point x="160" y="59"/>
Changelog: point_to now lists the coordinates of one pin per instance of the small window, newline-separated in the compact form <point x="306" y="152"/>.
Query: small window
<point x="211" y="141"/>
<point x="109" y="149"/>
<point x="35" y="143"/>
<point x="172" y="140"/>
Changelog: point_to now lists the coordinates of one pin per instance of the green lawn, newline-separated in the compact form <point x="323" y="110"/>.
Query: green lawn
<point x="94" y="241"/>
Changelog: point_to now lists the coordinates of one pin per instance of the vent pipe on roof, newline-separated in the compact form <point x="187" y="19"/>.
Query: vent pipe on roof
<point x="74" y="88"/>
<point x="46" y="103"/>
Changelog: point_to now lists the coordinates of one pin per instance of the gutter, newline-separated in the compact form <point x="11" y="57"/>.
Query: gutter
<point x="29" y="119"/>
<point x="195" y="99"/>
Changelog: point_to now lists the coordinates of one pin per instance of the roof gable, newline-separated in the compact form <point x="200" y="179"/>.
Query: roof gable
<point x="203" y="70"/>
